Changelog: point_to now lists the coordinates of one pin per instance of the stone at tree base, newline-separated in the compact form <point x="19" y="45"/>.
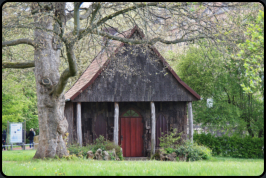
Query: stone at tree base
<point x="163" y="155"/>
<point x="106" y="156"/>
<point x="90" y="155"/>
<point x="166" y="157"/>
<point x="171" y="157"/>
<point x="99" y="155"/>
<point x="182" y="157"/>
<point x="156" y="156"/>
<point x="162" y="151"/>
<point x="112" y="153"/>
<point x="117" y="159"/>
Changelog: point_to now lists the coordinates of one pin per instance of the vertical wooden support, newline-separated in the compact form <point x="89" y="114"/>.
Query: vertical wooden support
<point x="24" y="134"/>
<point x="116" y="117"/>
<point x="153" y="129"/>
<point x="79" y="131"/>
<point x="190" y="118"/>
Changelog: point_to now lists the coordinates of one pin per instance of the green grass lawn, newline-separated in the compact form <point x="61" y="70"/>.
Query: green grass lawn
<point x="21" y="163"/>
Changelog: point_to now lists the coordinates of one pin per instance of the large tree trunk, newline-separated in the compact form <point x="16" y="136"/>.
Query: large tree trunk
<point x="52" y="123"/>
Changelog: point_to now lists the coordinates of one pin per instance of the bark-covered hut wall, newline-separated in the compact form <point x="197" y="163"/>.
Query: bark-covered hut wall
<point x="135" y="74"/>
<point x="174" y="113"/>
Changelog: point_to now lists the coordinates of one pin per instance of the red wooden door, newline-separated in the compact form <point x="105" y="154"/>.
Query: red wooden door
<point x="131" y="136"/>
<point x="161" y="126"/>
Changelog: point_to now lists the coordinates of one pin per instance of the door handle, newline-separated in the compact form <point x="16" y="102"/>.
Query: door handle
<point x="121" y="137"/>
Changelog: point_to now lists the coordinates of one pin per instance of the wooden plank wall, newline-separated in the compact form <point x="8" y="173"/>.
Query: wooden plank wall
<point x="135" y="74"/>
<point x="75" y="136"/>
<point x="90" y="112"/>
<point x="174" y="112"/>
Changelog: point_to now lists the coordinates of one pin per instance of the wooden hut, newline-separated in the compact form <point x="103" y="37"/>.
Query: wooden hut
<point x="129" y="94"/>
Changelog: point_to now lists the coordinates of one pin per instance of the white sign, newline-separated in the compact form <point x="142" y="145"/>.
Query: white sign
<point x="209" y="102"/>
<point x="15" y="132"/>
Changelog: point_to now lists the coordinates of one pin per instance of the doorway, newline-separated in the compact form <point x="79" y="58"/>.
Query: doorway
<point x="131" y="134"/>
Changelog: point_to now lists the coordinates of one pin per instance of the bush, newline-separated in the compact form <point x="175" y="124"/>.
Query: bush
<point x="110" y="146"/>
<point x="170" y="140"/>
<point x="169" y="150"/>
<point x="120" y="156"/>
<point x="78" y="151"/>
<point x="234" y="146"/>
<point x="73" y="157"/>
<point x="101" y="143"/>
<point x="156" y="156"/>
<point x="193" y="151"/>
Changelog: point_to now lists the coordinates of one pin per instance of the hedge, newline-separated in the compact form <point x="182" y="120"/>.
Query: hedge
<point x="233" y="146"/>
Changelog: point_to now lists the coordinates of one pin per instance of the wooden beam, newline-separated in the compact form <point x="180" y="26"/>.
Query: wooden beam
<point x="116" y="117"/>
<point x="153" y="129"/>
<point x="79" y="131"/>
<point x="190" y="118"/>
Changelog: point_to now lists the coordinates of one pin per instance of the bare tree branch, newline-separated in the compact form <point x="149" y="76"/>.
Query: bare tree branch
<point x="108" y="17"/>
<point x="34" y="26"/>
<point x="69" y="72"/>
<point x="103" y="20"/>
<point x="76" y="17"/>
<point x="151" y="42"/>
<point x="81" y="17"/>
<point x="18" y="41"/>
<point x="18" y="65"/>
<point x="86" y="14"/>
<point x="98" y="6"/>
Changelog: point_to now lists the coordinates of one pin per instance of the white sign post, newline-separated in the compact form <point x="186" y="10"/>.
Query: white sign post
<point x="16" y="132"/>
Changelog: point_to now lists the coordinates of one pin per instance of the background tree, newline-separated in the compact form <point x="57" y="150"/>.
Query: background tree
<point x="40" y="35"/>
<point x="218" y="75"/>
<point x="252" y="53"/>
<point x="221" y="82"/>
<point x="19" y="100"/>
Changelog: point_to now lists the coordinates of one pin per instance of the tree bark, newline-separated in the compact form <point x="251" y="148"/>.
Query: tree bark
<point x="52" y="123"/>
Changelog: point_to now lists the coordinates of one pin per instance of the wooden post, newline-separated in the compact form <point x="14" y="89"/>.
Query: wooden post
<point x="153" y="129"/>
<point x="116" y="117"/>
<point x="25" y="134"/>
<point x="79" y="131"/>
<point x="190" y="118"/>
